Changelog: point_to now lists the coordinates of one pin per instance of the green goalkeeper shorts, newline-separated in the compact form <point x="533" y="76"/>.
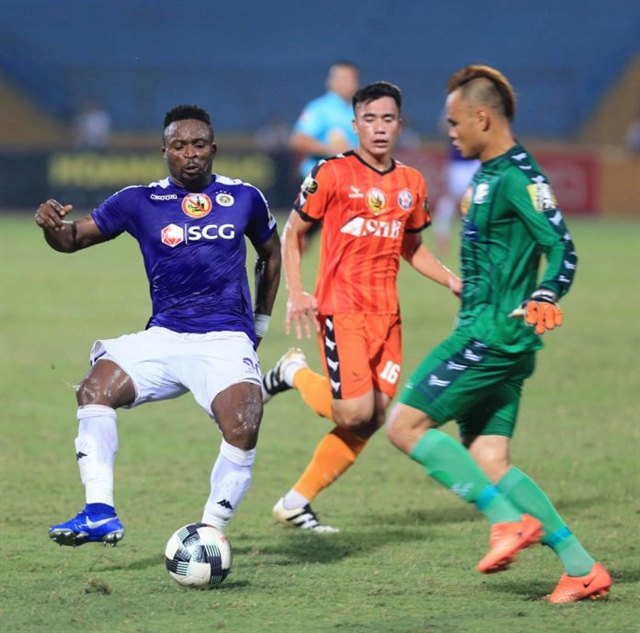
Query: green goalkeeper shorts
<point x="463" y="380"/>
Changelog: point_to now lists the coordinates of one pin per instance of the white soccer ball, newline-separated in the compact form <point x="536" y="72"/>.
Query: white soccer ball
<point x="198" y="555"/>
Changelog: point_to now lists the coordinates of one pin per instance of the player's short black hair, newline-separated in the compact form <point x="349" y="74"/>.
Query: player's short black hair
<point x="377" y="90"/>
<point x="182" y="112"/>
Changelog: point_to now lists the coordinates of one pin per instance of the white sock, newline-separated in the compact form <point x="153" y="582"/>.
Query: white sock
<point x="289" y="373"/>
<point x="96" y="450"/>
<point x="230" y="480"/>
<point x="293" y="500"/>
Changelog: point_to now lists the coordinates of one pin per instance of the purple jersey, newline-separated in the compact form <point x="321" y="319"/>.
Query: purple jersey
<point x="194" y="250"/>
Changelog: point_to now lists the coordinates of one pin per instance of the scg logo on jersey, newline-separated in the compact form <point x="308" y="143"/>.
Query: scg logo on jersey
<point x="172" y="234"/>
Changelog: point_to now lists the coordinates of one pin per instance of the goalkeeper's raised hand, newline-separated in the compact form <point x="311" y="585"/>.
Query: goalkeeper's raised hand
<point x="540" y="310"/>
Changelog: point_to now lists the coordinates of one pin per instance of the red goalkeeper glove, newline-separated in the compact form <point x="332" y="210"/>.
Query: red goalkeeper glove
<point x="541" y="311"/>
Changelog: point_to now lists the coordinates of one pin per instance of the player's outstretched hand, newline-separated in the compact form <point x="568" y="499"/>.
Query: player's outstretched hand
<point x="50" y="214"/>
<point x="541" y="311"/>
<point x="302" y="312"/>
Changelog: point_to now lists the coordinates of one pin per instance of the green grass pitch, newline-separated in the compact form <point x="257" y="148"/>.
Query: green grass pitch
<point x="405" y="559"/>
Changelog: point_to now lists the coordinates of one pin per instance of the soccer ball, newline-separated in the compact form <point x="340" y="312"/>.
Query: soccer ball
<point x="198" y="555"/>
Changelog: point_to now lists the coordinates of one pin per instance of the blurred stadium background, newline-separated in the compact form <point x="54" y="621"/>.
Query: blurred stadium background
<point x="575" y="65"/>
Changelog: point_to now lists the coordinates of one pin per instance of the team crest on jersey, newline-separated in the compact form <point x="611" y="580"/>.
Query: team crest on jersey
<point x="405" y="199"/>
<point x="465" y="202"/>
<point x="376" y="200"/>
<point x="224" y="199"/>
<point x="196" y="205"/>
<point x="542" y="197"/>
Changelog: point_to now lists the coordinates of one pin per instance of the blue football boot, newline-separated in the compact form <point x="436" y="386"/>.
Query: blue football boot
<point x="88" y="528"/>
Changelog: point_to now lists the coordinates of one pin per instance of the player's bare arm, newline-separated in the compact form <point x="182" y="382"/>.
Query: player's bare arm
<point x="302" y="307"/>
<point x="63" y="235"/>
<point x="267" y="274"/>
<point x="267" y="280"/>
<point x="426" y="263"/>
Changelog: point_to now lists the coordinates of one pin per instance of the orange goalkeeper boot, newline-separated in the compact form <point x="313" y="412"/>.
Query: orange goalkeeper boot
<point x="507" y="540"/>
<point x="594" y="585"/>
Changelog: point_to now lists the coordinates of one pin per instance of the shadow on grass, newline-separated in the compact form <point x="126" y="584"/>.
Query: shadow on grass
<point x="458" y="513"/>
<point x="422" y="518"/>
<point x="299" y="547"/>
<point x="319" y="548"/>
<point x="135" y="564"/>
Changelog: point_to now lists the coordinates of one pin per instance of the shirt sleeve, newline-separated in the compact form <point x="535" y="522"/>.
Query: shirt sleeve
<point x="113" y="216"/>
<point x="420" y="218"/>
<point x="536" y="205"/>
<point x="316" y="192"/>
<point x="262" y="223"/>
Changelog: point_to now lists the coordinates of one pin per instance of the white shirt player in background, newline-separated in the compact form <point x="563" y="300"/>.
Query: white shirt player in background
<point x="457" y="175"/>
<point x="203" y="331"/>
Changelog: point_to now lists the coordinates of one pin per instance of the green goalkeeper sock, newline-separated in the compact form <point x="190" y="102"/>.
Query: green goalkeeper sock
<point x="528" y="497"/>
<point x="450" y="464"/>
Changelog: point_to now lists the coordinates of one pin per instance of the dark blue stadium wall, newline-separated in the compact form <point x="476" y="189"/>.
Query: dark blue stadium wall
<point x="246" y="60"/>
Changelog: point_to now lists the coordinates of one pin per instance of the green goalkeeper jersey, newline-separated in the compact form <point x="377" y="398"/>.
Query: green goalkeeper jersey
<point x="510" y="218"/>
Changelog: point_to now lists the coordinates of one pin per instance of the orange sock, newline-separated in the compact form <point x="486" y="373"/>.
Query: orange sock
<point x="315" y="391"/>
<point x="333" y="456"/>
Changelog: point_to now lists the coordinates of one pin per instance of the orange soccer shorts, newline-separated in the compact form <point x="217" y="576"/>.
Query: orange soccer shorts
<point x="361" y="352"/>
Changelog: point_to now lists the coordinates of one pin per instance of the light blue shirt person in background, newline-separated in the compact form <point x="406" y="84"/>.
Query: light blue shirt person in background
<point x="324" y="128"/>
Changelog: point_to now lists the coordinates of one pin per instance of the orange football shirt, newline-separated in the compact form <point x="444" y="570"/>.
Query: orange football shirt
<point x="364" y="215"/>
